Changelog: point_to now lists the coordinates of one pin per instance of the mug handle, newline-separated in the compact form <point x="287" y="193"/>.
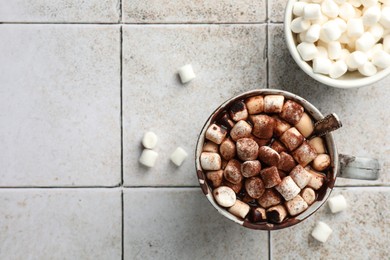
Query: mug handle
<point x="361" y="168"/>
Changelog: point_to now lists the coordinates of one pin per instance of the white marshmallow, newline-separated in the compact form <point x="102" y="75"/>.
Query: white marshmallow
<point x="346" y="11"/>
<point x="149" y="140"/>
<point x="334" y="50"/>
<point x="322" y="65"/>
<point x="186" y="73"/>
<point x="312" y="12"/>
<point x="178" y="156"/>
<point x="371" y="16"/>
<point x="370" y="53"/>
<point x="330" y="31"/>
<point x="313" y="33"/>
<point x="338" y="69"/>
<point x="344" y="39"/>
<point x="302" y="37"/>
<point x="358" y="13"/>
<point x="381" y="59"/>
<point x="298" y="8"/>
<point x="355" y="3"/>
<point x="148" y="158"/>
<point x="355" y="27"/>
<point x="385" y="2"/>
<point x="323" y="19"/>
<point x="356" y="59"/>
<point x="368" y="69"/>
<point x="322" y="52"/>
<point x="308" y="51"/>
<point x="340" y="2"/>
<point x="341" y="23"/>
<point x="386" y="43"/>
<point x="351" y="44"/>
<point x="385" y="17"/>
<point x="321" y="232"/>
<point x="344" y="54"/>
<point x="330" y="8"/>
<point x="299" y="25"/>
<point x="337" y="203"/>
<point x="377" y="31"/>
<point x="316" y="1"/>
<point x="365" y="42"/>
<point x="369" y="3"/>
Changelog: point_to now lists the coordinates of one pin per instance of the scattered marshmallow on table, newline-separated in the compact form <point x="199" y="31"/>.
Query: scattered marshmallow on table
<point x="186" y="73"/>
<point x="337" y="203"/>
<point x="178" y="156"/>
<point x="321" y="231"/>
<point x="149" y="140"/>
<point x="148" y="158"/>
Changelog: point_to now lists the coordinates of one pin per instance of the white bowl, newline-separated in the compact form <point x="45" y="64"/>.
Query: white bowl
<point x="348" y="80"/>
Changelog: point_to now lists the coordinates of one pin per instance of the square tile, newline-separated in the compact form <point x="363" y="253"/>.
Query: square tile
<point x="60" y="105"/>
<point x="60" y="224"/>
<point x="361" y="110"/>
<point x="359" y="232"/>
<point x="276" y="10"/>
<point x="183" y="11"/>
<point x="60" y="11"/>
<point x="227" y="59"/>
<point x="179" y="223"/>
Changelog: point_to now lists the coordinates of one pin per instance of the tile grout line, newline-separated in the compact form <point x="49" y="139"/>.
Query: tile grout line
<point x="135" y="24"/>
<point x="269" y="245"/>
<point x="120" y="21"/>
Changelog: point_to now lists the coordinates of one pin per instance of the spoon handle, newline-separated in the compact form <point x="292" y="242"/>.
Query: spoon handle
<point x="328" y="124"/>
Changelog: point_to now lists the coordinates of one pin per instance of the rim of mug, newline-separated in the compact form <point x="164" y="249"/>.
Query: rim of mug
<point x="330" y="144"/>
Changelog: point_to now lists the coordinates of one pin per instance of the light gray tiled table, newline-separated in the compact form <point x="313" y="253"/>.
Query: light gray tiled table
<point x="80" y="82"/>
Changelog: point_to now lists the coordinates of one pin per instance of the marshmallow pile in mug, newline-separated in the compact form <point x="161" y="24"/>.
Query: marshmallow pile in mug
<point x="338" y="36"/>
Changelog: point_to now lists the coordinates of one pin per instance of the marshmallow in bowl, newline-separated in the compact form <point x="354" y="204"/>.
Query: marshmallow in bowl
<point x="336" y="36"/>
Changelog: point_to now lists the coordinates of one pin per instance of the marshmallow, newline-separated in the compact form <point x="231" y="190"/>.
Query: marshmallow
<point x="255" y="105"/>
<point x="312" y="12"/>
<point x="178" y="156"/>
<point x="292" y="138"/>
<point x="227" y="149"/>
<point x="312" y="34"/>
<point x="381" y="59"/>
<point x="250" y="168"/>
<point x="346" y="11"/>
<point x="276" y="214"/>
<point x="337" y="203"/>
<point x="371" y="16"/>
<point x="258" y="214"/>
<point x="186" y="73"/>
<point x="355" y="3"/>
<point x="322" y="65"/>
<point x="148" y="158"/>
<point x="149" y="140"/>
<point x="210" y="161"/>
<point x="300" y="176"/>
<point x="344" y="54"/>
<point x="236" y="187"/>
<point x="309" y="195"/>
<point x="280" y="126"/>
<point x="323" y="19"/>
<point x="321" y="162"/>
<point x="270" y="177"/>
<point x="338" y="69"/>
<point x="344" y="39"/>
<point x="322" y="52"/>
<point x="273" y="103"/>
<point x="286" y="162"/>
<point x="240" y="130"/>
<point x="298" y="8"/>
<point x="224" y="196"/>
<point x="260" y="142"/>
<point x="215" y="133"/>
<point x="365" y="42"/>
<point x="304" y="154"/>
<point x="278" y="146"/>
<point x="318" y="145"/>
<point x="334" y="50"/>
<point x="288" y="188"/>
<point x="269" y="155"/>
<point x="269" y="198"/>
<point x="377" y="31"/>
<point x="210" y="147"/>
<point x="385" y="17"/>
<point x="247" y="149"/>
<point x="356" y="59"/>
<point x="317" y="179"/>
<point x="263" y="126"/>
<point x="321" y="232"/>
<point x="291" y="112"/>
<point x="215" y="177"/>
<point x="330" y="8"/>
<point x="232" y="172"/>
<point x="355" y="27"/>
<point x="330" y="31"/>
<point x="341" y="23"/>
<point x="296" y="205"/>
<point x="299" y="25"/>
<point x="225" y="121"/>
<point x="254" y="186"/>
<point x="340" y="2"/>
<point x="368" y="69"/>
<point x="239" y="209"/>
<point x="386" y="43"/>
<point x="305" y="125"/>
<point x="369" y="3"/>
<point x="238" y="111"/>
